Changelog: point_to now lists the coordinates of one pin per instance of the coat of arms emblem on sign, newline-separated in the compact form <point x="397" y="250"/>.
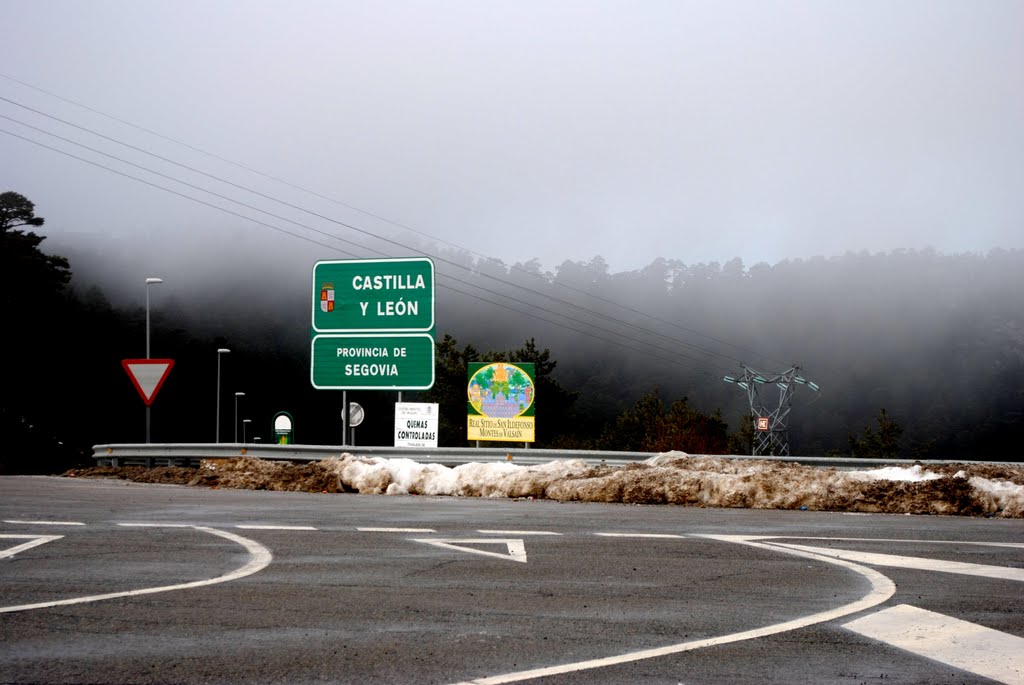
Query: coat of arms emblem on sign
<point x="327" y="297"/>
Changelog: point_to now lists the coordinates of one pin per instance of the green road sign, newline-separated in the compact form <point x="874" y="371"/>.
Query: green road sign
<point x="373" y="362"/>
<point x="374" y="296"/>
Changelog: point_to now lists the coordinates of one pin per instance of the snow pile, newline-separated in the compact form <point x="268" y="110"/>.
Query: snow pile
<point x="915" y="473"/>
<point x="999" y="496"/>
<point x="671" y="478"/>
<point x="676" y="478"/>
<point x="377" y="476"/>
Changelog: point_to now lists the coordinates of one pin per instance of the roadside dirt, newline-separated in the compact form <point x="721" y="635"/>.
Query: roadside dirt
<point x="952" y="489"/>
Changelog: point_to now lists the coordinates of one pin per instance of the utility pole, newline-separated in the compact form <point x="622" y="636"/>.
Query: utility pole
<point x="771" y="421"/>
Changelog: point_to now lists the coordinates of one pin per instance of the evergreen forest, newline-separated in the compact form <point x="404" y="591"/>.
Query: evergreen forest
<point x="918" y="354"/>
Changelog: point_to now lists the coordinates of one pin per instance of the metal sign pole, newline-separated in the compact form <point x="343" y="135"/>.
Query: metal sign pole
<point x="344" y="416"/>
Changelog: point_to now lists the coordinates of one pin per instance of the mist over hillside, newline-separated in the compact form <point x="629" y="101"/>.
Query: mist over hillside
<point x="935" y="339"/>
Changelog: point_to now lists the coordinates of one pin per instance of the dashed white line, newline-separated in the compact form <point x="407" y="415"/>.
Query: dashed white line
<point x="518" y="532"/>
<point x="651" y="536"/>
<point x="44" y="523"/>
<point x="269" y="527"/>
<point x="158" y="525"/>
<point x="396" y="530"/>
<point x="967" y="646"/>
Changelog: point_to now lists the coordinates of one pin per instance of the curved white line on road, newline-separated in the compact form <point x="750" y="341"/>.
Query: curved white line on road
<point x="881" y="590"/>
<point x="259" y="558"/>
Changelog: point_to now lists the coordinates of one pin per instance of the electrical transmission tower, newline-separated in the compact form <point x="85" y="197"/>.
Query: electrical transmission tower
<point x="771" y="425"/>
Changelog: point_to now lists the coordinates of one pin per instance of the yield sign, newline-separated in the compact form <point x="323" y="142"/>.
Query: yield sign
<point x="148" y="375"/>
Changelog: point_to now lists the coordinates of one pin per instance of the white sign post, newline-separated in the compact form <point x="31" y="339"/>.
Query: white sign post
<point x="416" y="424"/>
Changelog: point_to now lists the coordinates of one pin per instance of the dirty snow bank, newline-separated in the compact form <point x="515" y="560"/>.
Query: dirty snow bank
<point x="676" y="478"/>
<point x="671" y="478"/>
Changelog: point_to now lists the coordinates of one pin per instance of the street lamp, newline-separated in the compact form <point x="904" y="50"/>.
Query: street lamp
<point x="245" y="425"/>
<point x="220" y="351"/>
<point x="237" y="395"/>
<point x="149" y="282"/>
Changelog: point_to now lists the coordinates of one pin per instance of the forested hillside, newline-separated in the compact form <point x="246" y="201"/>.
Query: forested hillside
<point x="936" y="340"/>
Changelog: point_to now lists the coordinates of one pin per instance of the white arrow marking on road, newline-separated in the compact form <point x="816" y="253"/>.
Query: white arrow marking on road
<point x="516" y="548"/>
<point x="33" y="541"/>
<point x="917" y="563"/>
<point x="950" y="641"/>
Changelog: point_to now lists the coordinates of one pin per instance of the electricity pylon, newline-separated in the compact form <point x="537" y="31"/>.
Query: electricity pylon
<point x="771" y="425"/>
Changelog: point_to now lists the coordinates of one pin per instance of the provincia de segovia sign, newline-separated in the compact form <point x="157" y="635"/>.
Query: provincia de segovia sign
<point x="373" y="324"/>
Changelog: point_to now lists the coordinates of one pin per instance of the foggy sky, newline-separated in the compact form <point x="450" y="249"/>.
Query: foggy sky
<point x="698" y="131"/>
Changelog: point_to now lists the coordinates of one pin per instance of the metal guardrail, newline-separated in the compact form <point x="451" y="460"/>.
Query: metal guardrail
<point x="190" y="454"/>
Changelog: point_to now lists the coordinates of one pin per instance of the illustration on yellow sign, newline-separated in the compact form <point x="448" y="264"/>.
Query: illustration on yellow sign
<point x="501" y="402"/>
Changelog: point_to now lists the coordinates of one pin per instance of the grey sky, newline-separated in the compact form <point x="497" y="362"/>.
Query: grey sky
<point x="700" y="131"/>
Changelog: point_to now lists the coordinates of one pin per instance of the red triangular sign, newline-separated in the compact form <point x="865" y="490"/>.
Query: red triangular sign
<point x="147" y="375"/>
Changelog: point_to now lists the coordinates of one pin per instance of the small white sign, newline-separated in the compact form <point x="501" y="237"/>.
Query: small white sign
<point x="416" y="424"/>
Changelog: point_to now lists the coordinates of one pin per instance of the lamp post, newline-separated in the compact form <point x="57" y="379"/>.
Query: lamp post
<point x="149" y="282"/>
<point x="245" y="424"/>
<point x="220" y="351"/>
<point x="237" y="395"/>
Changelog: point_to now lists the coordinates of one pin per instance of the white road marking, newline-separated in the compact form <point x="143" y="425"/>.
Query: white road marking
<point x="653" y="536"/>
<point x="518" y="532"/>
<point x="1019" y="545"/>
<point x="259" y="558"/>
<point x="516" y="548"/>
<point x="396" y="530"/>
<point x="916" y="563"/>
<point x="158" y="525"/>
<point x="45" y="523"/>
<point x="258" y="527"/>
<point x="33" y="541"/>
<point x="967" y="646"/>
<point x="881" y="590"/>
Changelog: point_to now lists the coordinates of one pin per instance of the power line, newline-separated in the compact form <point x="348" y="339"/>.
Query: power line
<point x="371" y="214"/>
<point x="340" y="223"/>
<point x="348" y="254"/>
<point x="190" y="185"/>
<point x="175" y="192"/>
<point x="257" y="209"/>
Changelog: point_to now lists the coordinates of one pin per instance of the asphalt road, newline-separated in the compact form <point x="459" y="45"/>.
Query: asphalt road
<point x="112" y="582"/>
